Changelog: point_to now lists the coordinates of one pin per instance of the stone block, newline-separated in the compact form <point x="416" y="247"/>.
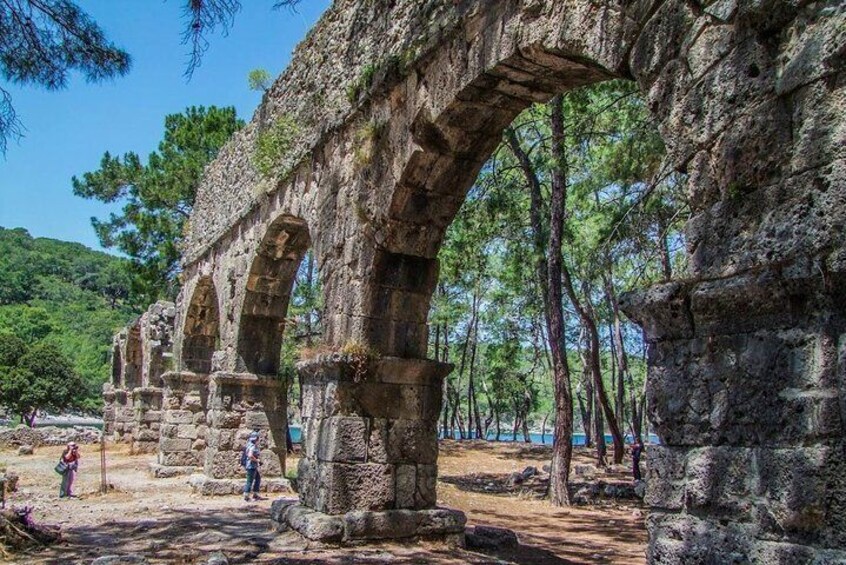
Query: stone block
<point x="256" y="421"/>
<point x="224" y="464"/>
<point x="187" y="432"/>
<point x="181" y="459"/>
<point x="147" y="435"/>
<point x="313" y="525"/>
<point x="441" y="521"/>
<point x="225" y="419"/>
<point x="412" y="441"/>
<point x="341" y="439"/>
<point x="170" y="445"/>
<point x="406" y="486"/>
<point x="340" y="487"/>
<point x="665" y="476"/>
<point x="426" y="495"/>
<point x="391" y="524"/>
<point x="151" y="416"/>
<point x="178" y="417"/>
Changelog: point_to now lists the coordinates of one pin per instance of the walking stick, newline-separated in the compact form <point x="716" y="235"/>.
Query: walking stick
<point x="103" y="485"/>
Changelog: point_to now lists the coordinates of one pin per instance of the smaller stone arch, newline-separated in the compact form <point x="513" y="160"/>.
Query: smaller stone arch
<point x="268" y="293"/>
<point x="202" y="328"/>
<point x="117" y="366"/>
<point x="133" y="358"/>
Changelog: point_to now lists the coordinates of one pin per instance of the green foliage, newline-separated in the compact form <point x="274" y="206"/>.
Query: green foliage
<point x="366" y="139"/>
<point x="621" y="210"/>
<point x="158" y="196"/>
<point x="361" y="84"/>
<point x="41" y="377"/>
<point x="273" y="148"/>
<point x="42" y="42"/>
<point x="74" y="301"/>
<point x="259" y="79"/>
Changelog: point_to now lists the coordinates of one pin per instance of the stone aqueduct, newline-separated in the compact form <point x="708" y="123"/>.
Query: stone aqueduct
<point x="398" y="104"/>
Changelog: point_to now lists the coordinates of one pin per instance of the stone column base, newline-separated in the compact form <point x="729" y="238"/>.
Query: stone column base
<point x="360" y="526"/>
<point x="207" y="486"/>
<point x="169" y="471"/>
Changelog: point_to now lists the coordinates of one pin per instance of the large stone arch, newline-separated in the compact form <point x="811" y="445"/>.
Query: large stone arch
<point x="268" y="293"/>
<point x="201" y="328"/>
<point x="746" y="376"/>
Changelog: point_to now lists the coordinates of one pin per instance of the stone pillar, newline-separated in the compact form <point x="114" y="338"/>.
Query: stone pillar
<point x="746" y="391"/>
<point x="239" y="404"/>
<point x="182" y="441"/>
<point x="369" y="466"/>
<point x="147" y="403"/>
<point x="124" y="416"/>
<point x="108" y="410"/>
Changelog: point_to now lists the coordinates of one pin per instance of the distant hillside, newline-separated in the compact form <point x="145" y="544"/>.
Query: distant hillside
<point x="66" y="293"/>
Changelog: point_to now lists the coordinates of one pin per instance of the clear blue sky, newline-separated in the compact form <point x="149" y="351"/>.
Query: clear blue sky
<point x="68" y="131"/>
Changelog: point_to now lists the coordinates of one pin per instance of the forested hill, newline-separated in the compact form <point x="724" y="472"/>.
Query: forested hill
<point x="67" y="294"/>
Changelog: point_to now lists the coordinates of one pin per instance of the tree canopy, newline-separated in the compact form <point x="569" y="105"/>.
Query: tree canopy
<point x="36" y="377"/>
<point x="41" y="42"/>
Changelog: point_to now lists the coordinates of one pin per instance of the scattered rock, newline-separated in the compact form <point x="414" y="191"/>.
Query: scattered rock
<point x="529" y="472"/>
<point x="26" y="450"/>
<point x="546" y="469"/>
<point x="584" y="470"/>
<point x="490" y="538"/>
<point x="515" y="479"/>
<point x="218" y="558"/>
<point x="640" y="489"/>
<point x="47" y="435"/>
<point x="120" y="560"/>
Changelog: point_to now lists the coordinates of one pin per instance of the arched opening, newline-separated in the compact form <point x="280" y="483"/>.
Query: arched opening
<point x="117" y="366"/>
<point x="269" y="286"/>
<point x="202" y="328"/>
<point x="132" y="368"/>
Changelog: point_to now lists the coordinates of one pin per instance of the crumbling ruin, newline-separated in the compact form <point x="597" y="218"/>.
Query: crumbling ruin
<point x="394" y="107"/>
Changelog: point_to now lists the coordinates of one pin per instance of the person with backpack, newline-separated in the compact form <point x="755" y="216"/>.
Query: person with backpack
<point x="68" y="462"/>
<point x="251" y="461"/>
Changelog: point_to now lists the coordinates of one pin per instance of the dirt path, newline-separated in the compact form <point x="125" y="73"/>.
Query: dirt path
<point x="162" y="520"/>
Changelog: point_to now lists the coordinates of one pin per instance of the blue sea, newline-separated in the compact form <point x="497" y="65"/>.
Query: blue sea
<point x="578" y="439"/>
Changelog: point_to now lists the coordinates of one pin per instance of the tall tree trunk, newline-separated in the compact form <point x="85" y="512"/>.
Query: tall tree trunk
<point x="599" y="434"/>
<point x="310" y="283"/>
<point x="586" y="404"/>
<point x="463" y="365"/>
<point x="664" y="252"/>
<point x="472" y="401"/>
<point x="549" y="263"/>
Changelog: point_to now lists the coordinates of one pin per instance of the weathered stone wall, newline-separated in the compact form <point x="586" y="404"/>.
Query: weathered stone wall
<point x="369" y="429"/>
<point x="184" y="428"/>
<point x="124" y="416"/>
<point x="239" y="405"/>
<point x="147" y="404"/>
<point x="141" y="352"/>
<point x="398" y="107"/>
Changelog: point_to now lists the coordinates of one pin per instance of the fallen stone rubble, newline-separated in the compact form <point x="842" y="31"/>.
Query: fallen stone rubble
<point x="48" y="435"/>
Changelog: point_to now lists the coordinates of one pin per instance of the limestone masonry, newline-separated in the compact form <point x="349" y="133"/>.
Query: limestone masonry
<point x="394" y="107"/>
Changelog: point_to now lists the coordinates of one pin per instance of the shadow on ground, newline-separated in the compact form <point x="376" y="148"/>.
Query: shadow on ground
<point x="245" y="536"/>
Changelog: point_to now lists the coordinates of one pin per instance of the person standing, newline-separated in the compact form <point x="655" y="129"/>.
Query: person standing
<point x="637" y="451"/>
<point x="253" y="464"/>
<point x="70" y="457"/>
